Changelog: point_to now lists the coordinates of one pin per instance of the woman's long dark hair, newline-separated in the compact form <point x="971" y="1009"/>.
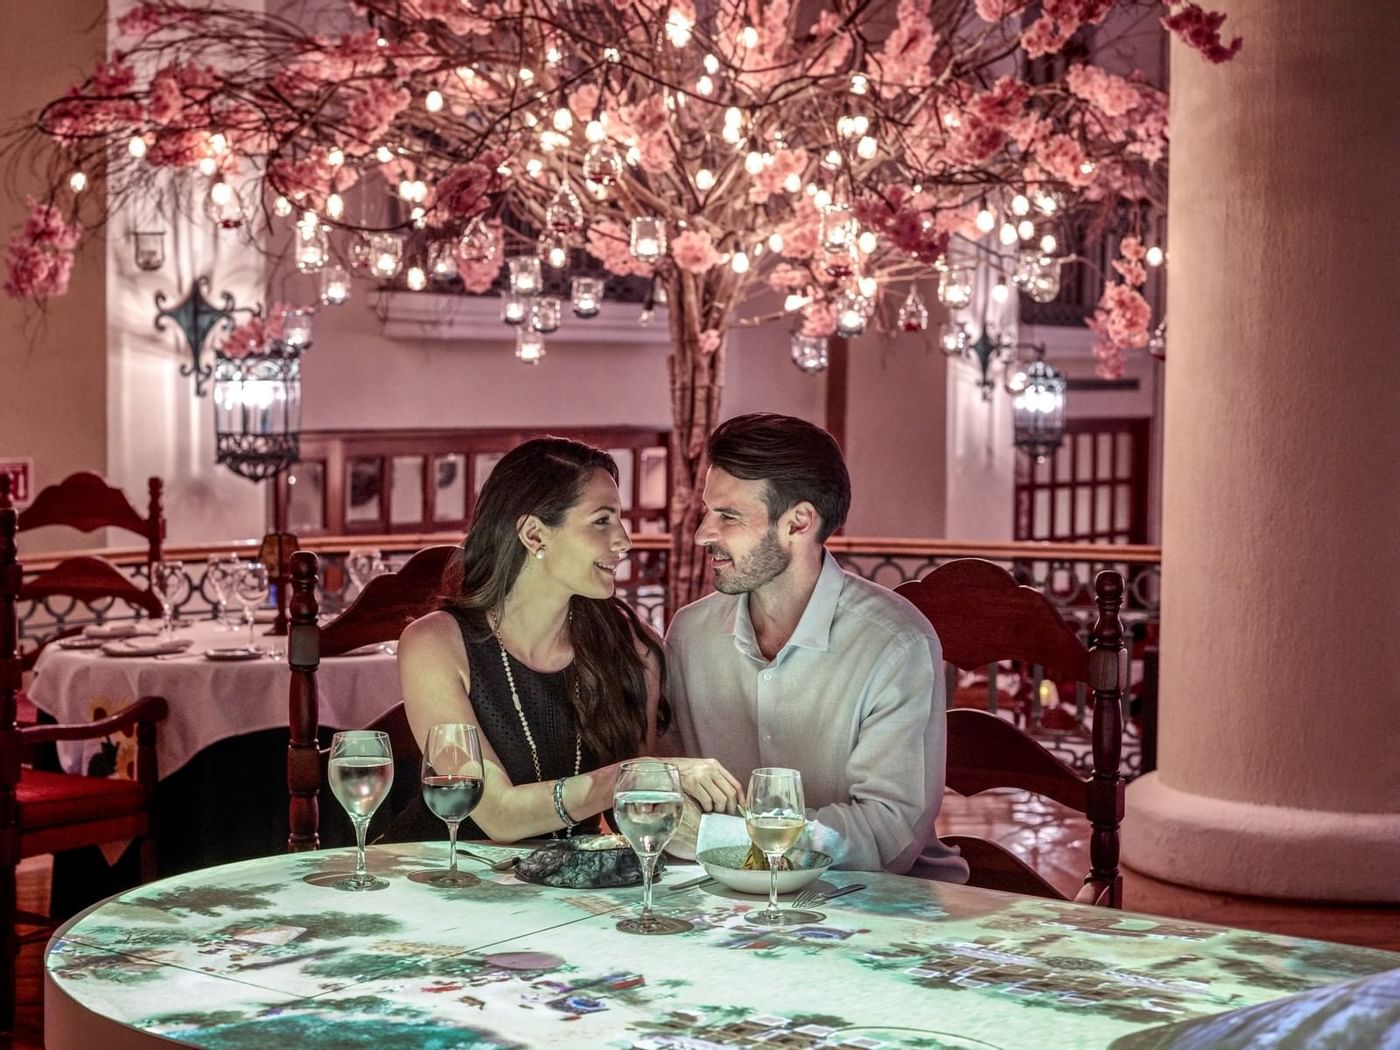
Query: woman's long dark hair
<point x="545" y="477"/>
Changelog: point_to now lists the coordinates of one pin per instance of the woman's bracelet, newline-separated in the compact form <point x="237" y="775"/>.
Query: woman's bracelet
<point x="563" y="814"/>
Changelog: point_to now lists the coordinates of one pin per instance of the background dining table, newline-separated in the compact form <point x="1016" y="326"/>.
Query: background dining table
<point x="263" y="953"/>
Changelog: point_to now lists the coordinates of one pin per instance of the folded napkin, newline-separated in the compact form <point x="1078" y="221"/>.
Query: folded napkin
<point x="147" y="646"/>
<point x="719" y="829"/>
<point x="120" y="629"/>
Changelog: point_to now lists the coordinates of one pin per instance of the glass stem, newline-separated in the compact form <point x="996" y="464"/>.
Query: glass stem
<point x="168" y="627"/>
<point x="452" y="848"/>
<point x="648" y="873"/>
<point x="774" y="859"/>
<point x="248" y="612"/>
<point x="361" y="826"/>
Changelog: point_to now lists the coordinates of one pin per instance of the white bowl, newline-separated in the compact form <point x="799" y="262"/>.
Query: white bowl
<point x="722" y="864"/>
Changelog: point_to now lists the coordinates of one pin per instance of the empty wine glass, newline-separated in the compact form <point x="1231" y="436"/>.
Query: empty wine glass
<point x="250" y="584"/>
<point x="219" y="575"/>
<point x="363" y="565"/>
<point x="647" y="803"/>
<point x="775" y="822"/>
<point x="452" y="786"/>
<point x="361" y="774"/>
<point x="171" y="586"/>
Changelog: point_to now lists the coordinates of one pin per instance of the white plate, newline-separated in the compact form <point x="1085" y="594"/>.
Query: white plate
<point x="373" y="649"/>
<point x="722" y="864"/>
<point x="147" y="647"/>
<point x="110" y="632"/>
<point x="233" y="653"/>
<point x="79" y="642"/>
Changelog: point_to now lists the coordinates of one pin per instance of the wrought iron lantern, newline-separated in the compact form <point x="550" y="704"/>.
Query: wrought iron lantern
<point x="1038" y="410"/>
<point x="257" y="411"/>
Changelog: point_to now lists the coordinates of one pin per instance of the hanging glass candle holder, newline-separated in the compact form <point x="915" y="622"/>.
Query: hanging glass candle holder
<point x="525" y="276"/>
<point x="586" y="296"/>
<point x="564" y="214"/>
<point x="442" y="260"/>
<point x="478" y="242"/>
<point x="952" y="338"/>
<point x="1044" y="284"/>
<point x="851" y="314"/>
<point x="297" y="325"/>
<point x="223" y="206"/>
<point x="553" y="249"/>
<point x="148" y="249"/>
<point x="335" y="285"/>
<point x="839" y="233"/>
<point x="385" y="256"/>
<point x="416" y="278"/>
<point x="648" y="238"/>
<point x="529" y="346"/>
<point x="257" y="412"/>
<point x="913" y="314"/>
<point x="514" y="308"/>
<point x="360" y="252"/>
<point x="809" y="352"/>
<point x="602" y="167"/>
<point x="312" y="247"/>
<point x="1038" y="411"/>
<point x="955" y="287"/>
<point x="545" y="314"/>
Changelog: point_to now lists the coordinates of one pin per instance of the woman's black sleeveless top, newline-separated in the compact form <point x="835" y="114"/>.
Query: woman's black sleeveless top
<point x="548" y="705"/>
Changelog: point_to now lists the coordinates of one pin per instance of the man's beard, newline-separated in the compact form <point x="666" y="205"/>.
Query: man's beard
<point x="760" y="565"/>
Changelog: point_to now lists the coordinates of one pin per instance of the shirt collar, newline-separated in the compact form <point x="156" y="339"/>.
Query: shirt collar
<point x="813" y="630"/>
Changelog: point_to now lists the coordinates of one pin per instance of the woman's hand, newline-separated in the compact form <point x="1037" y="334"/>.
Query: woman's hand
<point x="711" y="785"/>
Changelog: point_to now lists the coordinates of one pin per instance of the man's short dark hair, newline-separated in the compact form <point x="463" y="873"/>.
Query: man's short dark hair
<point x="799" y="462"/>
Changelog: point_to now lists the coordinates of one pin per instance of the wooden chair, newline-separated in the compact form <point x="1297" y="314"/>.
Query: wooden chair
<point x="48" y="812"/>
<point x="982" y="616"/>
<point x="383" y="609"/>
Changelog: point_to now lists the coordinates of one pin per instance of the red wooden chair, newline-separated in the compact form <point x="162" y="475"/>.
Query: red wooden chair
<point x="383" y="609"/>
<point x="49" y="812"/>
<point x="982" y="616"/>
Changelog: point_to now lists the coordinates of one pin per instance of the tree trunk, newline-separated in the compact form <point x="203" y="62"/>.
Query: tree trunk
<point x="697" y="376"/>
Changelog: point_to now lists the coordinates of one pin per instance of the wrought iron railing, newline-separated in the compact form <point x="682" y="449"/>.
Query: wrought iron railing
<point x="1064" y="572"/>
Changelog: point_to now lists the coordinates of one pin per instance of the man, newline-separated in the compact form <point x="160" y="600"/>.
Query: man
<point x="796" y="662"/>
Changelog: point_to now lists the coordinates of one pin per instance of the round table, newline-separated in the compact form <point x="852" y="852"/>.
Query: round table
<point x="255" y="955"/>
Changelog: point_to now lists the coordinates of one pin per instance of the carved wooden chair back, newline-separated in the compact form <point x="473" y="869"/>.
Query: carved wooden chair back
<point x="42" y="812"/>
<point x="379" y="614"/>
<point x="983" y="616"/>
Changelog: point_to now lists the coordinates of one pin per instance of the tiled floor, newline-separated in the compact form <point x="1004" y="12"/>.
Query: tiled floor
<point x="1042" y="833"/>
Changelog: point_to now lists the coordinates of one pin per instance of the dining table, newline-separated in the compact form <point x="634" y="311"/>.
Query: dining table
<point x="266" y="953"/>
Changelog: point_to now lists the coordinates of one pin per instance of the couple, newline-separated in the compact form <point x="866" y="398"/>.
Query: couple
<point x="794" y="662"/>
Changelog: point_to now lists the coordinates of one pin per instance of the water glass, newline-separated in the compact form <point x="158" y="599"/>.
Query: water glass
<point x="250" y="584"/>
<point x="219" y="577"/>
<point x="361" y="774"/>
<point x="775" y="822"/>
<point x="452" y="787"/>
<point x="363" y="565"/>
<point x="647" y="804"/>
<point x="172" y="586"/>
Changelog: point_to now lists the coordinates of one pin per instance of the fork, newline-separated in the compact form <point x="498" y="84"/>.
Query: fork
<point x="809" y="897"/>
<point x="494" y="865"/>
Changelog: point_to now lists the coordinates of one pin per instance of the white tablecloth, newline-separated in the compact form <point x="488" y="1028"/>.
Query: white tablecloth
<point x="209" y="701"/>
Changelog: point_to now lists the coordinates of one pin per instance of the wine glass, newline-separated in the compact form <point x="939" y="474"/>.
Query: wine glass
<point x="363" y="564"/>
<point x="775" y="822"/>
<point x="171" y="586"/>
<point x="452" y="786"/>
<point x="219" y="575"/>
<point x="647" y="803"/>
<point x="361" y="774"/>
<point x="250" y="584"/>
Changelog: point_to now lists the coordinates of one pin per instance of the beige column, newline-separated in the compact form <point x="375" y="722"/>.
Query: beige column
<point x="1280" y="692"/>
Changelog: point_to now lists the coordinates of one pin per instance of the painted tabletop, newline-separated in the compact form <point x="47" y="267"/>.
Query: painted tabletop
<point x="263" y="954"/>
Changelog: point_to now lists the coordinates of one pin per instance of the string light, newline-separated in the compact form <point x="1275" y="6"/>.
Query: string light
<point x="136" y="147"/>
<point x="793" y="182"/>
<point x="986" y="220"/>
<point x="678" y="28"/>
<point x="704" y="179"/>
<point x="1008" y="235"/>
<point x="1025" y="229"/>
<point x="775" y="241"/>
<point x="867" y="242"/>
<point x="526" y="76"/>
<point x="384" y="154"/>
<point x="1020" y="204"/>
<point x="740" y="263"/>
<point x="335" y="206"/>
<point x="1155" y="256"/>
<point x="563" y="119"/>
<point x="705" y="85"/>
<point x="77" y="182"/>
<point x="432" y="101"/>
<point x="748" y="37"/>
<point x="1048" y="244"/>
<point x="859" y="84"/>
<point x="416" y="279"/>
<point x="281" y="207"/>
<point x="711" y="64"/>
<point x="336" y="157"/>
<point x="867" y="148"/>
<point x="868" y="286"/>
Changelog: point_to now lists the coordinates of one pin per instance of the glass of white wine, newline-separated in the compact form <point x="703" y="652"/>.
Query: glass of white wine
<point x="647" y="804"/>
<point x="775" y="822"/>
<point x="452" y="786"/>
<point x="361" y="774"/>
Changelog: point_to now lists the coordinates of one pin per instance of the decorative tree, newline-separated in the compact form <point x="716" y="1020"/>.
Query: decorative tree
<point x="829" y="153"/>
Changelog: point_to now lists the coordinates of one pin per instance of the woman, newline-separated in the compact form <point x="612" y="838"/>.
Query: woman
<point x="562" y="679"/>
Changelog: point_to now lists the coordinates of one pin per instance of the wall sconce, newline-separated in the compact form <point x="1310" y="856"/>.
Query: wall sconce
<point x="195" y="316"/>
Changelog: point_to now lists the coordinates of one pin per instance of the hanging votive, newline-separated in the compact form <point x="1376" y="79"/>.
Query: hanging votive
<point x="952" y="338"/>
<point x="223" y="206"/>
<point x="529" y="346"/>
<point x="955" y="287"/>
<point x="839" y="232"/>
<point x="1044" y="284"/>
<point x="809" y="352"/>
<point x="312" y="247"/>
<point x="297" y="324"/>
<point x="385" y="256"/>
<point x="148" y="249"/>
<point x="335" y="285"/>
<point x="553" y="249"/>
<point x="442" y="261"/>
<point x="525" y="276"/>
<point x="478" y="242"/>
<point x="586" y="296"/>
<point x="360" y="253"/>
<point x="545" y="314"/>
<point x="514" y="309"/>
<point x="602" y="167"/>
<point x="850" y="314"/>
<point x="564" y="213"/>
<point x="416" y="278"/>
<point x="913" y="314"/>
<point x="648" y="238"/>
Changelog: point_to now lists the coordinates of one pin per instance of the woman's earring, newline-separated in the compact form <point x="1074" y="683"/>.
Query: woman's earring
<point x="539" y="552"/>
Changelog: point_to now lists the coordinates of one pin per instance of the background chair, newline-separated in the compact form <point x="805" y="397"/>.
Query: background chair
<point x="43" y="812"/>
<point x="379" y="614"/>
<point x="982" y="616"/>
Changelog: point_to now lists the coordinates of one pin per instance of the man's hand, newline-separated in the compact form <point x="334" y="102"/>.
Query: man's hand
<point x="713" y="787"/>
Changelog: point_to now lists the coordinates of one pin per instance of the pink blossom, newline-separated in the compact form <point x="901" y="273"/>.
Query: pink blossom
<point x="457" y="15"/>
<point x="478" y="275"/>
<point x="818" y="319"/>
<point x="1112" y="94"/>
<point x="39" y="258"/>
<point x="373" y="110"/>
<point x="466" y="190"/>
<point x="906" y="57"/>
<point x="832" y="49"/>
<point x="1131" y="248"/>
<point x="583" y="101"/>
<point x="802" y="233"/>
<point x="1120" y="321"/>
<point x="1063" y="158"/>
<point x="769" y="181"/>
<point x="1200" y="29"/>
<point x="787" y="278"/>
<point x="694" y="251"/>
<point x="608" y="243"/>
<point x="996" y="10"/>
<point x="1060" y="20"/>
<point x="255" y="335"/>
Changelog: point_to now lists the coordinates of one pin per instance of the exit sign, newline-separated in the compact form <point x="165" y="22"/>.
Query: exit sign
<point x="21" y="475"/>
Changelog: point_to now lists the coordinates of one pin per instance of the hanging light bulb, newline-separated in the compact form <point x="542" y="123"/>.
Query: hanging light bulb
<point x="775" y="241"/>
<point x="1000" y="292"/>
<point x="851" y="314"/>
<point x="1020" y="204"/>
<point x="525" y="276"/>
<point x="792" y="182"/>
<point x="385" y="256"/>
<point x="868" y="286"/>
<point x="602" y="165"/>
<point x="553" y="55"/>
<point x="208" y="166"/>
<point x="859" y="84"/>
<point x="748" y="37"/>
<point x="383" y="154"/>
<point x="136" y="146"/>
<point x="281" y="206"/>
<point x="678" y="28"/>
<point x="740" y="262"/>
<point x="514" y="308"/>
<point x="586" y="296"/>
<point x="335" y="157"/>
<point x="77" y="182"/>
<point x="753" y="163"/>
<point x="553" y="249"/>
<point x="416" y="278"/>
<point x="711" y="64"/>
<point x="867" y="148"/>
<point x="312" y="248"/>
<point x="1008" y="235"/>
<point x="986" y="220"/>
<point x="1155" y="256"/>
<point x="335" y="285"/>
<point x="432" y="101"/>
<point x="545" y="314"/>
<point x="225" y="210"/>
<point x="913" y="314"/>
<point x="529" y="346"/>
<point x="704" y="179"/>
<point x="809" y="352"/>
<point x="647" y="241"/>
<point x="705" y="85"/>
<point x="1048" y="244"/>
<point x="1025" y="229"/>
<point x="867" y="242"/>
<point x="335" y="206"/>
<point x="955" y="287"/>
